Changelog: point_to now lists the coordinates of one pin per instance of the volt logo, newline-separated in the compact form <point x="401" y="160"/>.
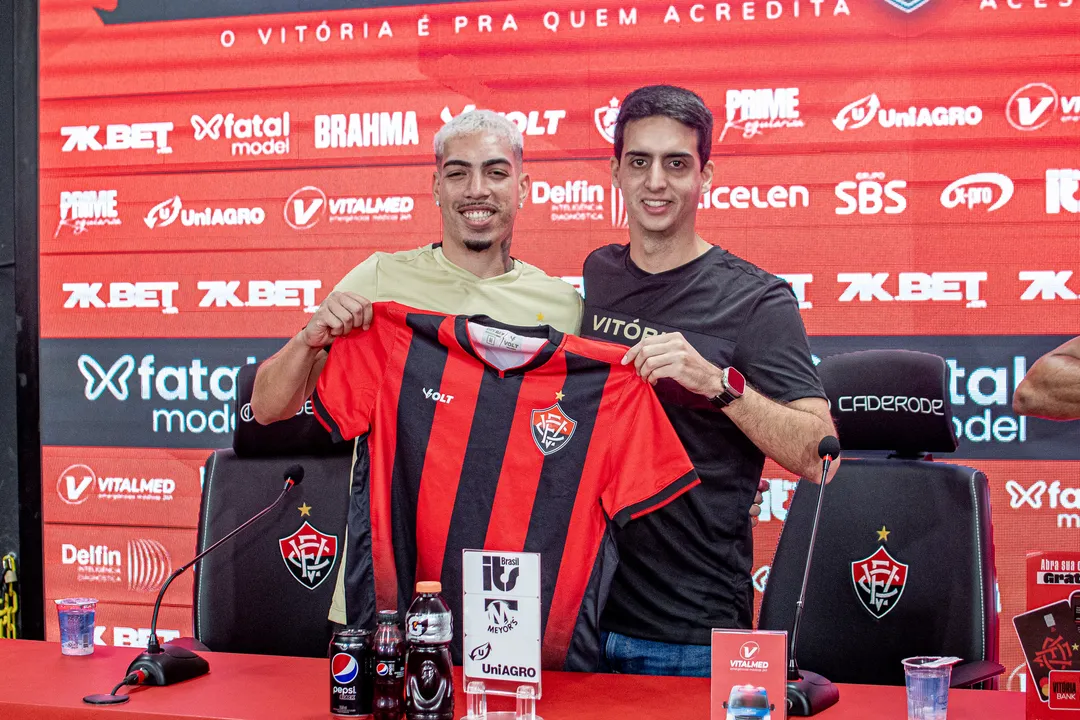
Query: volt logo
<point x="494" y="568"/>
<point x="98" y="380"/>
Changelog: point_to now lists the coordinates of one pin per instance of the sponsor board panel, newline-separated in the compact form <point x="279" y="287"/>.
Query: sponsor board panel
<point x="126" y="625"/>
<point x="116" y="564"/>
<point x="144" y="393"/>
<point x="122" y="486"/>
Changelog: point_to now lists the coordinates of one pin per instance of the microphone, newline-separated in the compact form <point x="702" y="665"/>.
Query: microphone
<point x="167" y="664"/>
<point x="809" y="693"/>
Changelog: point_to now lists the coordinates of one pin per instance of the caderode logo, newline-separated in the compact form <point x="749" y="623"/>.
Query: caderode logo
<point x="308" y="205"/>
<point x="166" y="212"/>
<point x="1036" y="104"/>
<point x="255" y="135"/>
<point x="978" y="190"/>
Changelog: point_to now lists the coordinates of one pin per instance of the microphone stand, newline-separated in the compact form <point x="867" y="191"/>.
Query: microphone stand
<point x="167" y="664"/>
<point x="809" y="693"/>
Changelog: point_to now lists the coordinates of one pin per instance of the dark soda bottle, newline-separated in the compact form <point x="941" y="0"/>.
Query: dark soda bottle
<point x="429" y="680"/>
<point x="389" y="668"/>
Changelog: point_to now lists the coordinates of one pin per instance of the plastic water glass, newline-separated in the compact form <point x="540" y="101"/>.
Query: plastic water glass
<point x="927" y="688"/>
<point x="76" y="617"/>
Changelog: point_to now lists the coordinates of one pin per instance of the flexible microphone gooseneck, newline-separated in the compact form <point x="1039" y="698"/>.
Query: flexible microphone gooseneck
<point x="167" y="664"/>
<point x="809" y="693"/>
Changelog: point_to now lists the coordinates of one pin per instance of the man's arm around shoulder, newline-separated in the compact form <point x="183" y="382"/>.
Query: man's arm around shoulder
<point x="1051" y="389"/>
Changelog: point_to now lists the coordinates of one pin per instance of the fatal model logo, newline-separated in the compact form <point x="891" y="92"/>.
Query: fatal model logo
<point x="309" y="554"/>
<point x="495" y="567"/>
<point x="344" y="668"/>
<point x="254" y="135"/>
<point x="98" y="379"/>
<point x="552" y="429"/>
<point x="879" y="580"/>
<point x="604" y="117"/>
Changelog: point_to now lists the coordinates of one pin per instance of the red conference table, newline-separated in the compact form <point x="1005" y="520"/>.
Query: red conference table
<point x="36" y="681"/>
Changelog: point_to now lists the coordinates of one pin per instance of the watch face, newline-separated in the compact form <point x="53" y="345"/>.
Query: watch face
<point x="736" y="381"/>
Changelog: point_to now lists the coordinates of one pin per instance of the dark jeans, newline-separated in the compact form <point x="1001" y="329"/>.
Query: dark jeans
<point x="623" y="654"/>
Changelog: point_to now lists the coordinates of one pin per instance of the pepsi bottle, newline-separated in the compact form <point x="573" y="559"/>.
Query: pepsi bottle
<point x="429" y="682"/>
<point x="389" y="659"/>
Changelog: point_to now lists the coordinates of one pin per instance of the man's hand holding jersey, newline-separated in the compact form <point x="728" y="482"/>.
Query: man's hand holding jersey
<point x="340" y="313"/>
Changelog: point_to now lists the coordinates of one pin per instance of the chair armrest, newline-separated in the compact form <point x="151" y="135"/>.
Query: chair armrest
<point x="966" y="674"/>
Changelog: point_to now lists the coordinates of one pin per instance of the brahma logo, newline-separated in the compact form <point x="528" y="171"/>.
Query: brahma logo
<point x="753" y="111"/>
<point x="370" y="129"/>
<point x="137" y="136"/>
<point x="972" y="191"/>
<point x="309" y="554"/>
<point x="528" y="121"/>
<point x="78" y="482"/>
<point x="255" y="135"/>
<point x="605" y="117"/>
<point x="552" y="429"/>
<point x="84" y="209"/>
<point x="166" y="212"/>
<point x="879" y="581"/>
<point x="863" y="111"/>
<point x="1036" y="104"/>
<point x="1062" y="191"/>
<point x="344" y="668"/>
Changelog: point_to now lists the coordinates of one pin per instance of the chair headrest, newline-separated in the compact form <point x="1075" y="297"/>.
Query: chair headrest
<point x="894" y="400"/>
<point x="301" y="434"/>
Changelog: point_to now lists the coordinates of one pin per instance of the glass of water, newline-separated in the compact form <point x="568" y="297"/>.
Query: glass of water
<point x="927" y="687"/>
<point x="76" y="617"/>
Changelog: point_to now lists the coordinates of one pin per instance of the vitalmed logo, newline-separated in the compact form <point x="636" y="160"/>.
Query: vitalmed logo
<point x="871" y="194"/>
<point x="1037" y="104"/>
<point x="364" y="130"/>
<point x="306" y="207"/>
<point x="755" y="197"/>
<point x="144" y="569"/>
<point x="529" y="122"/>
<point x="751" y="112"/>
<point x="604" y="117"/>
<point x="1062" y="191"/>
<point x="988" y="191"/>
<point x="1051" y="495"/>
<point x="866" y="110"/>
<point x="166" y="212"/>
<point x="574" y="200"/>
<point x="78" y="483"/>
<point x="253" y="135"/>
<point x="162" y="385"/>
<point x="137" y="136"/>
<point x="84" y="209"/>
<point x="749" y="658"/>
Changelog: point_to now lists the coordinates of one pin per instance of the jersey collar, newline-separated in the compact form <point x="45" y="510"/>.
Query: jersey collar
<point x="546" y="352"/>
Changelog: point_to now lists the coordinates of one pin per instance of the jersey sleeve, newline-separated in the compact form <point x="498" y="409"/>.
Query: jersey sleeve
<point x="647" y="464"/>
<point x="773" y="351"/>
<point x="349" y="384"/>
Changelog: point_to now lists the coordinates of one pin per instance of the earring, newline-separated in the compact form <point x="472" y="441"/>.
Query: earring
<point x="437" y="204"/>
<point x="521" y="204"/>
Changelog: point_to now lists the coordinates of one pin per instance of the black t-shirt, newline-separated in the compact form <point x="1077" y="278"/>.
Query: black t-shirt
<point x="686" y="568"/>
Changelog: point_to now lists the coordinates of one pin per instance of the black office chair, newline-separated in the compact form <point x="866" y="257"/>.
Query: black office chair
<point x="904" y="560"/>
<point x="268" y="591"/>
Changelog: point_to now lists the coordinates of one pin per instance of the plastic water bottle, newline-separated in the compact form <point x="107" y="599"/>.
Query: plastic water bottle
<point x="429" y="680"/>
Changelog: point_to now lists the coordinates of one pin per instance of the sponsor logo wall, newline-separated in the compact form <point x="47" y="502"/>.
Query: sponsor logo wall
<point x="205" y="184"/>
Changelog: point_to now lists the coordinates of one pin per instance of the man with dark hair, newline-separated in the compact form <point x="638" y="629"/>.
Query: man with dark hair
<point x="723" y="343"/>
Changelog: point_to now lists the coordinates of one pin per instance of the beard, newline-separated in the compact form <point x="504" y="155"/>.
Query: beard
<point x="478" y="245"/>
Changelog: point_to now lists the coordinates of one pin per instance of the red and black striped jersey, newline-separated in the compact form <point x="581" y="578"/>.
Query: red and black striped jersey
<point x="456" y="453"/>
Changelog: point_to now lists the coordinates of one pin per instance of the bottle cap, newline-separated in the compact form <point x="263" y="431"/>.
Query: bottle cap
<point x="428" y="588"/>
<point x="388" y="617"/>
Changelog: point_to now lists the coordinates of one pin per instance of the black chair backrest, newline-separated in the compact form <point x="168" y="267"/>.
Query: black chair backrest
<point x="904" y="560"/>
<point x="269" y="589"/>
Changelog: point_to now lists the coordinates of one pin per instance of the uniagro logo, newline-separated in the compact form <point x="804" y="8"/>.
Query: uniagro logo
<point x="344" y="668"/>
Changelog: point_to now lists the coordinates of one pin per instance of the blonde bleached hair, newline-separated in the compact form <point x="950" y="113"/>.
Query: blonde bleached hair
<point x="480" y="121"/>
